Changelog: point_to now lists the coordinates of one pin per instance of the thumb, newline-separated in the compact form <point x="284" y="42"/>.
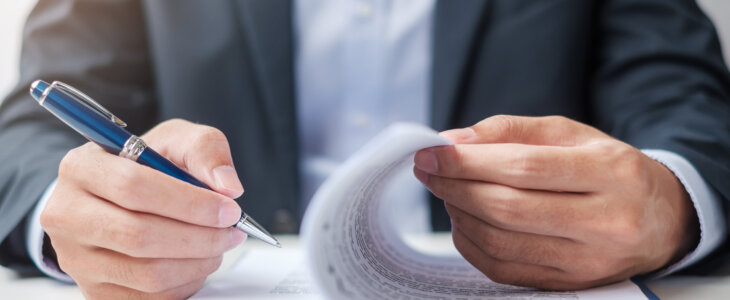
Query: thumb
<point x="201" y="150"/>
<point x="551" y="130"/>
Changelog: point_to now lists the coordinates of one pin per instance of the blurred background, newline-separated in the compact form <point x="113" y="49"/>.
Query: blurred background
<point x="14" y="12"/>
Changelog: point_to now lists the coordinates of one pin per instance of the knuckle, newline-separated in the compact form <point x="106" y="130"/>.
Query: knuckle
<point x="565" y="125"/>
<point x="155" y="276"/>
<point x="55" y="216"/>
<point x="494" y="244"/>
<point x="133" y="238"/>
<point x="199" y="210"/>
<point x="71" y="163"/>
<point x="496" y="249"/>
<point x="629" y="165"/>
<point x="627" y="230"/>
<point x="49" y="220"/>
<point x="455" y="161"/>
<point x="524" y="164"/>
<point x="128" y="180"/>
<point x="557" y="119"/>
<point x="173" y="123"/>
<point x="503" y="209"/>
<point x="505" y="126"/>
<point x="207" y="134"/>
<point x="68" y="165"/>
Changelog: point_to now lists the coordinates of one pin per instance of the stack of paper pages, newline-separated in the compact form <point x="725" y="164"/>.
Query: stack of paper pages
<point x="351" y="250"/>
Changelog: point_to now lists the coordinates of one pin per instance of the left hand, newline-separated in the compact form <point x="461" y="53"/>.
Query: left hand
<point x="552" y="203"/>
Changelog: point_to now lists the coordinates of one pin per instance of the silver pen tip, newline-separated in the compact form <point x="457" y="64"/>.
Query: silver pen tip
<point x="252" y="228"/>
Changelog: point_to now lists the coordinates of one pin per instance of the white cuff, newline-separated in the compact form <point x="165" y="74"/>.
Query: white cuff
<point x="706" y="203"/>
<point x="34" y="240"/>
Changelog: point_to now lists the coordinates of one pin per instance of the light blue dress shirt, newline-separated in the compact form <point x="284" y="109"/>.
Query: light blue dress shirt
<point x="363" y="64"/>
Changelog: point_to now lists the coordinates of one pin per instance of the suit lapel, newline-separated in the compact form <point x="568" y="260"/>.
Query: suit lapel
<point x="456" y="28"/>
<point x="267" y="29"/>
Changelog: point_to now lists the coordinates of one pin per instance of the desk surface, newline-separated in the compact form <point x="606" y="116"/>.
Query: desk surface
<point x="672" y="287"/>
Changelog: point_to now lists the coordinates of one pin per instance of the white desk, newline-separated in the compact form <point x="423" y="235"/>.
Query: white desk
<point x="673" y="287"/>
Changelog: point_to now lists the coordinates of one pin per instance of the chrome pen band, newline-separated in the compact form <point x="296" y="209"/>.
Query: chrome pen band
<point x="133" y="147"/>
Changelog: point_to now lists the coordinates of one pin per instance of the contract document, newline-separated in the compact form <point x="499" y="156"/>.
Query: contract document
<point x="351" y="250"/>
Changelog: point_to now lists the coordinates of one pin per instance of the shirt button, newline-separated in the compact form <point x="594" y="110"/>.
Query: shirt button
<point x="361" y="120"/>
<point x="365" y="9"/>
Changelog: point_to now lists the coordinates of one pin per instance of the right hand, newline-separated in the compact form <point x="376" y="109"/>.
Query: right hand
<point x="124" y="230"/>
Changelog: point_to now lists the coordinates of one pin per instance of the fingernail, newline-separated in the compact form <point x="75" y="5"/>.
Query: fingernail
<point x="426" y="161"/>
<point x="421" y="175"/>
<point x="458" y="135"/>
<point x="229" y="213"/>
<point x="227" y="179"/>
<point x="237" y="237"/>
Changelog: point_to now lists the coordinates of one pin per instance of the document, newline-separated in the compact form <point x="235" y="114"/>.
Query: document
<point x="351" y="251"/>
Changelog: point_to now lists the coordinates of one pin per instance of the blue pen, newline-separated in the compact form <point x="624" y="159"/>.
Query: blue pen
<point x="99" y="126"/>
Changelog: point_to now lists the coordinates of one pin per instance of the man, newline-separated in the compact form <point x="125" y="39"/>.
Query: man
<point x="288" y="89"/>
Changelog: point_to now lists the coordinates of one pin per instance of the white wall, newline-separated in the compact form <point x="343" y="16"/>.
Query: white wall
<point x="14" y="12"/>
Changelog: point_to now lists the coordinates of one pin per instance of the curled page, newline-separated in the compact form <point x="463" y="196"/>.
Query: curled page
<point x="353" y="252"/>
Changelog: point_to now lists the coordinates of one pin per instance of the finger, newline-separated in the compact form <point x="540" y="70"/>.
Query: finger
<point x="147" y="274"/>
<point x="575" y="169"/>
<point x="551" y="130"/>
<point x="506" y="272"/>
<point x="93" y="290"/>
<point x="139" y="188"/>
<point x="96" y="265"/>
<point x="529" y="211"/>
<point x="202" y="150"/>
<point x="94" y="222"/>
<point x="516" y="246"/>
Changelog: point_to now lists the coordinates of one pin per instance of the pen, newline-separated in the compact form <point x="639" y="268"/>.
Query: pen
<point x="99" y="126"/>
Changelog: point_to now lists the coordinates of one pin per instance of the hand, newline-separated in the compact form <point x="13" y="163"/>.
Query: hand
<point x="555" y="204"/>
<point x="124" y="230"/>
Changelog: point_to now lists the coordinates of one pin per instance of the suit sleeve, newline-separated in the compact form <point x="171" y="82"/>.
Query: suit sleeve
<point x="99" y="47"/>
<point x="661" y="83"/>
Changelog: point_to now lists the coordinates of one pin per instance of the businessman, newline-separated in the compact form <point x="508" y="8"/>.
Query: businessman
<point x="592" y="138"/>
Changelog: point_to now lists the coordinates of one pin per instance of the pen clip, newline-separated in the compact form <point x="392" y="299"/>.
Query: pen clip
<point x="88" y="101"/>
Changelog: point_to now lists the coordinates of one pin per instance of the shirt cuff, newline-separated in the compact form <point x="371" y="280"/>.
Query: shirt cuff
<point x="706" y="203"/>
<point x="34" y="240"/>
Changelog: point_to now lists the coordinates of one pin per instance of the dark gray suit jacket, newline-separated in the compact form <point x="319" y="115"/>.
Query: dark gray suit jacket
<point x="648" y="72"/>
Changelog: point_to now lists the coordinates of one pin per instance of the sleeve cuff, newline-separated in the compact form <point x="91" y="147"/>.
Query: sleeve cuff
<point x="706" y="203"/>
<point x="34" y="240"/>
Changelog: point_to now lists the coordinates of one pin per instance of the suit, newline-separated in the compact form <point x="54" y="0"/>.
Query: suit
<point x="647" y="72"/>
